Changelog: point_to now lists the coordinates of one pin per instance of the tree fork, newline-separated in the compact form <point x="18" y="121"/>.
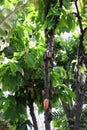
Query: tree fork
<point x="80" y="93"/>
<point x="69" y="114"/>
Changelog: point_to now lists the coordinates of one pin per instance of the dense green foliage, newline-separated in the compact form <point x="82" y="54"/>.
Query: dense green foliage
<point x="22" y="46"/>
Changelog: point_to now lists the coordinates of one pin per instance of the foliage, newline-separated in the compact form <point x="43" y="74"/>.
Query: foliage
<point x="9" y="13"/>
<point x="23" y="126"/>
<point x="59" y="118"/>
<point x="22" y="45"/>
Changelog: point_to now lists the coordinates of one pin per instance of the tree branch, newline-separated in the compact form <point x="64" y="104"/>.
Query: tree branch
<point x="79" y="17"/>
<point x="33" y="115"/>
<point x="80" y="93"/>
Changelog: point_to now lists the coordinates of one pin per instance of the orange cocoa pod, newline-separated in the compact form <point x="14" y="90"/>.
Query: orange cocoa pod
<point x="46" y="104"/>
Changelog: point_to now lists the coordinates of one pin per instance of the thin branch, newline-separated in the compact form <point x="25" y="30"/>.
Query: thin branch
<point x="17" y="9"/>
<point x="78" y="16"/>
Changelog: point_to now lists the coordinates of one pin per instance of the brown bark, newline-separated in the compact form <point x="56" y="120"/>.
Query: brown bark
<point x="69" y="114"/>
<point x="47" y="84"/>
<point x="47" y="70"/>
<point x="80" y="92"/>
<point x="33" y="116"/>
<point x="48" y="56"/>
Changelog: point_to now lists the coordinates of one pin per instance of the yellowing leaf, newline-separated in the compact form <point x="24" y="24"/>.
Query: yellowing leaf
<point x="80" y="4"/>
<point x="73" y="61"/>
<point x="83" y="69"/>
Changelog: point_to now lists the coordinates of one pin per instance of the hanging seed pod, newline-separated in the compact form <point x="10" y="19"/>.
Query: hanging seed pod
<point x="46" y="104"/>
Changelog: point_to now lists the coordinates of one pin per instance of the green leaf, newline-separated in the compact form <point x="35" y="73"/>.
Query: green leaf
<point x="11" y="114"/>
<point x="3" y="69"/>
<point x="9" y="83"/>
<point x="1" y="2"/>
<point x="13" y="67"/>
<point x="2" y="100"/>
<point x="62" y="72"/>
<point x="70" y="92"/>
<point x="67" y="4"/>
<point x="55" y="78"/>
<point x="6" y="104"/>
<point x="18" y="55"/>
<point x="29" y="60"/>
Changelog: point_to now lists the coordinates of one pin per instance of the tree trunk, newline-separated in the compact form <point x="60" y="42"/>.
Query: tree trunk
<point x="80" y="91"/>
<point x="69" y="114"/>
<point x="47" y="121"/>
<point x="48" y="57"/>
<point x="33" y="116"/>
<point x="46" y="90"/>
<point x="47" y="69"/>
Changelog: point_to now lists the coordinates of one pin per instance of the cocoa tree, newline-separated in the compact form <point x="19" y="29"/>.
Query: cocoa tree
<point x="35" y="33"/>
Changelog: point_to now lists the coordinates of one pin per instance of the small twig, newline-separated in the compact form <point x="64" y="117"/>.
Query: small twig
<point x="17" y="9"/>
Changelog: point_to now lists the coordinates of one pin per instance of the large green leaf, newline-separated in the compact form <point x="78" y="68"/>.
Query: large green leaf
<point x="69" y="91"/>
<point x="13" y="67"/>
<point x="29" y="60"/>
